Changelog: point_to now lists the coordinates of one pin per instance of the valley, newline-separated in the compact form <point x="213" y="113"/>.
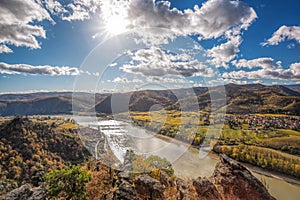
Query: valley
<point x="256" y="124"/>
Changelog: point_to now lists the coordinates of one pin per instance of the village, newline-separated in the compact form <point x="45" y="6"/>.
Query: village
<point x="266" y="122"/>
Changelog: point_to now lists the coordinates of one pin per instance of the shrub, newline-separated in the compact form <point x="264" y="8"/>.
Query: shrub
<point x="68" y="182"/>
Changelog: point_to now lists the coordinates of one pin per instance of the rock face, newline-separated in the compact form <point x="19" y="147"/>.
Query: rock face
<point x="148" y="187"/>
<point x="25" y="192"/>
<point x="234" y="181"/>
<point x="230" y="181"/>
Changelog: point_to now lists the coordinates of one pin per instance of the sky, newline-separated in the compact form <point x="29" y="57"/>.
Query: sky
<point x="112" y="45"/>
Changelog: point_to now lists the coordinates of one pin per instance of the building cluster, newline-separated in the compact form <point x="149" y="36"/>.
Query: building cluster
<point x="266" y="122"/>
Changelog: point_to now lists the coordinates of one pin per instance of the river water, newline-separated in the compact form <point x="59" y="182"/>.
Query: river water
<point x="185" y="159"/>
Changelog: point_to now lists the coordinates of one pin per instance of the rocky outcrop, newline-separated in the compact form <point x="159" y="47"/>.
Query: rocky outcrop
<point x="148" y="187"/>
<point x="206" y="189"/>
<point x="230" y="181"/>
<point x="25" y="192"/>
<point x="234" y="181"/>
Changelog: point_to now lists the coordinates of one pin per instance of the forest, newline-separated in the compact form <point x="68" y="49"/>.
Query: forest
<point x="30" y="147"/>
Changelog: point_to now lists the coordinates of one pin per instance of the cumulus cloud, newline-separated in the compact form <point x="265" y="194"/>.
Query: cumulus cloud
<point x="293" y="72"/>
<point x="80" y="9"/>
<point x="17" y="22"/>
<point x="211" y="20"/>
<point x="125" y="80"/>
<point x="176" y="80"/>
<point x="55" y="7"/>
<point x="284" y="33"/>
<point x="225" y="52"/>
<point x="239" y="82"/>
<point x="154" y="62"/>
<point x="34" y="70"/>
<point x="75" y="10"/>
<point x="265" y="63"/>
<point x="19" y="25"/>
<point x="295" y="68"/>
<point x="5" y="49"/>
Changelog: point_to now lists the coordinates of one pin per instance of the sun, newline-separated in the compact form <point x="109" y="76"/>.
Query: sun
<point x="114" y="16"/>
<point x="115" y="25"/>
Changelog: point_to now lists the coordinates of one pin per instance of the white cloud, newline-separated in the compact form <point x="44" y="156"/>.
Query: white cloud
<point x="81" y="9"/>
<point x="41" y="69"/>
<point x="113" y="64"/>
<point x="240" y="82"/>
<point x="5" y="49"/>
<point x="176" y="80"/>
<point x="76" y="10"/>
<point x="19" y="25"/>
<point x="211" y="20"/>
<point x="125" y="80"/>
<point x="17" y="22"/>
<point x="155" y="62"/>
<point x="293" y="72"/>
<point x="265" y="63"/>
<point x="291" y="46"/>
<point x="259" y="82"/>
<point x="295" y="68"/>
<point x="284" y="33"/>
<point x="225" y="52"/>
<point x="197" y="85"/>
<point x="55" y="7"/>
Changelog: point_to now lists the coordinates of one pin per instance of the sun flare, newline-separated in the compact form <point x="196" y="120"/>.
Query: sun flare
<point x="115" y="25"/>
<point x="115" y="22"/>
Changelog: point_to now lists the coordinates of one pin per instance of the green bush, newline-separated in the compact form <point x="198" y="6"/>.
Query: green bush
<point x="68" y="183"/>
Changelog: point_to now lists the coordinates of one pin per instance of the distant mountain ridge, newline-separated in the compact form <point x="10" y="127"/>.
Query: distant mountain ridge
<point x="250" y="98"/>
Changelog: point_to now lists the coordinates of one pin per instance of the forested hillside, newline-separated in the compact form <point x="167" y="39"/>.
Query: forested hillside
<point x="30" y="147"/>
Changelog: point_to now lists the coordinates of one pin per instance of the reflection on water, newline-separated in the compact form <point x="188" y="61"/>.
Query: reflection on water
<point x="185" y="160"/>
<point x="280" y="189"/>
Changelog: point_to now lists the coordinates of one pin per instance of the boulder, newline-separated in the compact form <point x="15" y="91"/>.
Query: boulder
<point x="148" y="187"/>
<point x="25" y="192"/>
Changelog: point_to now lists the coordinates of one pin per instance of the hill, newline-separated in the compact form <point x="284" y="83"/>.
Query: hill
<point x="257" y="98"/>
<point x="30" y="147"/>
<point x="251" y="98"/>
<point x="47" y="103"/>
<point x="295" y="87"/>
<point x="240" y="99"/>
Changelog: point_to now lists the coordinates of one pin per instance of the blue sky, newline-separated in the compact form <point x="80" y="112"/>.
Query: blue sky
<point x="44" y="46"/>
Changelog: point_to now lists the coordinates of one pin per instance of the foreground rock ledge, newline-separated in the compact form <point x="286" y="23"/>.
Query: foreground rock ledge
<point x="230" y="181"/>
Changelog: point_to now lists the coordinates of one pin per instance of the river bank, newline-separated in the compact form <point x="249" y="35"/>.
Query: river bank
<point x="275" y="175"/>
<point x="252" y="168"/>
